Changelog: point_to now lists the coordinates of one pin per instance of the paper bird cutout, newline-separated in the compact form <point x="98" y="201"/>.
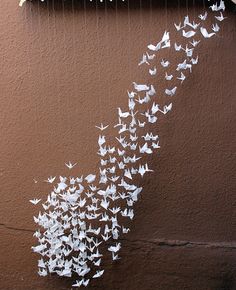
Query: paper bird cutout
<point x="35" y="201"/>
<point x="70" y="165"/>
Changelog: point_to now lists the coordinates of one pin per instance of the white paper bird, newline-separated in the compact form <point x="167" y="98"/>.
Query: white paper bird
<point x="203" y="16"/>
<point x="70" y="165"/>
<point x="131" y="95"/>
<point x="150" y="56"/>
<point x="102" y="127"/>
<point x="168" y="77"/>
<point x="161" y="44"/>
<point x="184" y="65"/>
<point x="220" y="17"/>
<point x="144" y="60"/>
<point x="178" y="47"/>
<point x="140" y="88"/>
<point x="154" y="47"/>
<point x="145" y="149"/>
<point x="188" y="34"/>
<point x="153" y="71"/>
<point x="205" y="33"/>
<point x="182" y="77"/>
<point x="22" y="2"/>
<point x="190" y="24"/>
<point x="165" y="63"/>
<point x="221" y="6"/>
<point x="171" y="92"/>
<point x="155" y="108"/>
<point x="90" y="178"/>
<point x="167" y="108"/>
<point x="215" y="27"/>
<point x="50" y="179"/>
<point x="123" y="114"/>
<point x="195" y="43"/>
<point x="194" y="60"/>
<point x="35" y="201"/>
<point x="115" y="248"/>
<point x="188" y="51"/>
<point x="178" y="26"/>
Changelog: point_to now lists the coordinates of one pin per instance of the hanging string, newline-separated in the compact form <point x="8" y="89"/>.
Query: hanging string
<point x="151" y="22"/>
<point x="194" y="9"/>
<point x="166" y="14"/>
<point x="129" y="36"/>
<point x="140" y="13"/>
<point x="142" y="31"/>
<point x="204" y="6"/>
<point x="85" y="23"/>
<point x="74" y="75"/>
<point x="150" y="19"/>
<point x="116" y="9"/>
<point x="108" y="51"/>
<point x="179" y="12"/>
<point x="53" y="28"/>
<point x="99" y="57"/>
<point x="86" y="54"/>
<point x="141" y="16"/>
<point x="28" y="24"/>
<point x="167" y="26"/>
<point x="48" y="25"/>
<point x="73" y="44"/>
<point x="40" y="66"/>
<point x="117" y="27"/>
<point x="66" y="70"/>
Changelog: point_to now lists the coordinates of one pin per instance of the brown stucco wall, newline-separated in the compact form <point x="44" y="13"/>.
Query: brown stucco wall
<point x="60" y="75"/>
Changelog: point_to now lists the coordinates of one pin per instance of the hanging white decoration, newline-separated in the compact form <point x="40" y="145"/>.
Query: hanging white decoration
<point x="84" y="212"/>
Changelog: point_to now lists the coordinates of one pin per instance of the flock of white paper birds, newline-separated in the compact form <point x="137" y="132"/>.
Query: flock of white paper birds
<point x="83" y="213"/>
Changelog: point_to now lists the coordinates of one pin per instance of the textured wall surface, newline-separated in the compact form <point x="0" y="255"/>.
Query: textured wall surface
<point x="65" y="69"/>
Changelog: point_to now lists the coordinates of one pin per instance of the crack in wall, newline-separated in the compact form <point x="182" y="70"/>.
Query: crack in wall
<point x="186" y="244"/>
<point x="159" y="242"/>
<point x="16" y="229"/>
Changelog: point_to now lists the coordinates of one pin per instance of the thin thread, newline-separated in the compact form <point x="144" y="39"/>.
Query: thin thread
<point x="166" y="14"/>
<point x="74" y="75"/>
<point x="194" y="9"/>
<point x="117" y="26"/>
<point x="150" y="20"/>
<point x="49" y="37"/>
<point x="99" y="56"/>
<point x="129" y="33"/>
<point x="116" y="9"/>
<point x="55" y="48"/>
<point x="140" y="13"/>
<point x="179" y="14"/>
<point x="66" y="69"/>
<point x="29" y="27"/>
<point x="85" y="49"/>
<point x="40" y="54"/>
<point x="107" y="41"/>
